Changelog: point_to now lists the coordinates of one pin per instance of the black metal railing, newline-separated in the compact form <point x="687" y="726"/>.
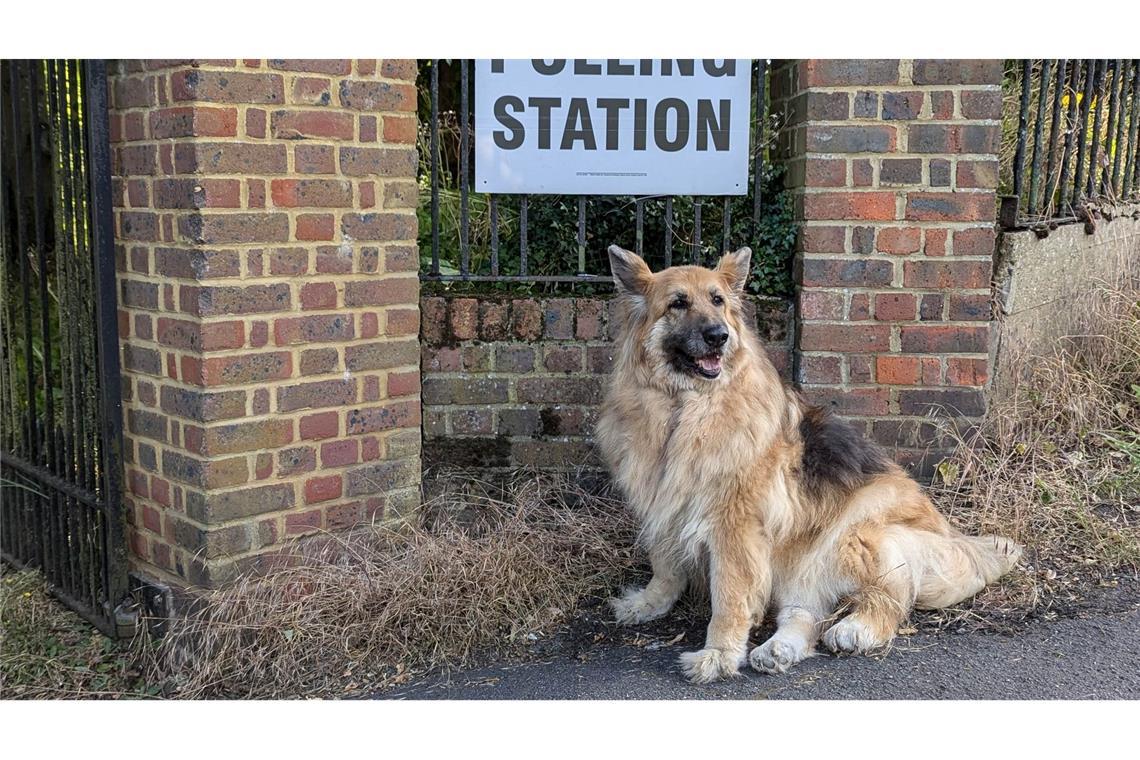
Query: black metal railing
<point x="1076" y="139"/>
<point x="60" y="402"/>
<point x="677" y="238"/>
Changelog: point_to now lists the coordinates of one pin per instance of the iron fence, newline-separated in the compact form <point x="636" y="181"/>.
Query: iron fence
<point x="1076" y="137"/>
<point x="60" y="402"/>
<point x="682" y="239"/>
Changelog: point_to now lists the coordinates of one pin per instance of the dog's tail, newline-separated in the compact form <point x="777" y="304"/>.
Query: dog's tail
<point x="958" y="566"/>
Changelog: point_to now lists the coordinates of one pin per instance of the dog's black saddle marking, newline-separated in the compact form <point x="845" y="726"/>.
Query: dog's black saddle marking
<point x="836" y="453"/>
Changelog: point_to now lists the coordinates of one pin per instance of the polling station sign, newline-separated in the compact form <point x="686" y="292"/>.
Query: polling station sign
<point x="612" y="126"/>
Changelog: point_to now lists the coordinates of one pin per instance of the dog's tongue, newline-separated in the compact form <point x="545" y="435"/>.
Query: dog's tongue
<point x="709" y="363"/>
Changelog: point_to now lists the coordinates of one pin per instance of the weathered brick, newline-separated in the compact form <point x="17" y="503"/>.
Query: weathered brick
<point x="207" y="301"/>
<point x="328" y="66"/>
<point x="315" y="328"/>
<point x="381" y="355"/>
<point x="982" y="174"/>
<point x="895" y="307"/>
<point x="234" y="228"/>
<point x="971" y="307"/>
<point x="981" y="104"/>
<point x="902" y="105"/>
<point x="316" y="395"/>
<point x="301" y="125"/>
<point x="322" y="193"/>
<point x="227" y="86"/>
<point x="381" y="292"/>
<point x="953" y="138"/>
<point x="567" y="390"/>
<point x="246" y="368"/>
<point x="377" y="96"/>
<point x="325" y="488"/>
<point x="899" y="240"/>
<point x="382" y="162"/>
<point x="202" y="406"/>
<point x="938" y="339"/>
<point x="231" y="505"/>
<point x="845" y="337"/>
<point x="230" y="158"/>
<point x="319" y="361"/>
<point x="382" y="477"/>
<point x="957" y="71"/>
<point x="379" y="226"/>
<point x="855" y="206"/>
<point x="440" y="390"/>
<point x="847" y="272"/>
<point x="946" y="274"/>
<point x="962" y="401"/>
<point x="193" y="121"/>
<point x="936" y="207"/>
<point x="841" y="73"/>
<point x="315" y="427"/>
<point x="819" y="239"/>
<point x="196" y="263"/>
<point x="897" y="370"/>
<point x="850" y="139"/>
<point x="244" y="436"/>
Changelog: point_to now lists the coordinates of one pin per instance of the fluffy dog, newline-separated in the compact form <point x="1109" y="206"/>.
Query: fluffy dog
<point x="739" y="483"/>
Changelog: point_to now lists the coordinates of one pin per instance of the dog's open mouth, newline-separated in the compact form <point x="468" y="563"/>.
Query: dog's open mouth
<point x="706" y="366"/>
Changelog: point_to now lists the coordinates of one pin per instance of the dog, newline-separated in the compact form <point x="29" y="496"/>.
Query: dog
<point x="739" y="483"/>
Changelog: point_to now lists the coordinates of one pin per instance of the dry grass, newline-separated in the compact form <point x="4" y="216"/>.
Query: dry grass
<point x="485" y="573"/>
<point x="1056" y="465"/>
<point x="49" y="652"/>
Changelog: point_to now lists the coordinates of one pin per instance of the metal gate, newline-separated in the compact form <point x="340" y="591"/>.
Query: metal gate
<point x="60" y="402"/>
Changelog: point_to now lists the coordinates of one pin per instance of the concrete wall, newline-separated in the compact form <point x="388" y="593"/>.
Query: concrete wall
<point x="1045" y="286"/>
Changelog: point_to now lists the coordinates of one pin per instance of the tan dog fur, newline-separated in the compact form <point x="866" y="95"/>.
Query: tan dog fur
<point x="716" y="471"/>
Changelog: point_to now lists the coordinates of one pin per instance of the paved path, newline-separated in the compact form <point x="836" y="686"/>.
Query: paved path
<point x="1097" y="657"/>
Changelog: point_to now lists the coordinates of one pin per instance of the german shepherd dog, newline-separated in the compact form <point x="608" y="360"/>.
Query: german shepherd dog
<point x="740" y="484"/>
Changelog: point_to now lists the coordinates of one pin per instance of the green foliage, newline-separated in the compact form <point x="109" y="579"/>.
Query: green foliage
<point x="552" y="238"/>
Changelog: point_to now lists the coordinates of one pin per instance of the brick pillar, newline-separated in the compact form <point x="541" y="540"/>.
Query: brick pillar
<point x="266" y="230"/>
<point x="894" y="166"/>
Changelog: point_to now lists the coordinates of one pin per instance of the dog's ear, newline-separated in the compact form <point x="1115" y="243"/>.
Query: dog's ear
<point x="735" y="266"/>
<point x="631" y="274"/>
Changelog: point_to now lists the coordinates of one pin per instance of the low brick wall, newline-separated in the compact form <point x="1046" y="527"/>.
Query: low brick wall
<point x="514" y="382"/>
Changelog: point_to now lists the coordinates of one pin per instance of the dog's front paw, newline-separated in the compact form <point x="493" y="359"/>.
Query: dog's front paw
<point x="853" y="636"/>
<point x="775" y="656"/>
<point x="633" y="607"/>
<point x="708" y="665"/>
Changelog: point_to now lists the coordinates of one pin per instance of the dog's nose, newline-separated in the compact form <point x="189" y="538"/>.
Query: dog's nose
<point x="715" y="335"/>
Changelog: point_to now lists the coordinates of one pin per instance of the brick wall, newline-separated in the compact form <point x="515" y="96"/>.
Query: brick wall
<point x="515" y="382"/>
<point x="894" y="167"/>
<point x="265" y="221"/>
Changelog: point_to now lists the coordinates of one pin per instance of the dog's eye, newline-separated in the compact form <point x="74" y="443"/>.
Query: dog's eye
<point x="679" y="303"/>
<point x="718" y="299"/>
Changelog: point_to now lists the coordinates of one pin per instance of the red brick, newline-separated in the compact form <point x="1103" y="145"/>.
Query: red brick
<point x="316" y="328"/>
<point x="855" y="206"/>
<point x="315" y="227"/>
<point x="900" y="240"/>
<point x="939" y="339"/>
<point x="325" y="193"/>
<point x="858" y="401"/>
<point x="818" y="304"/>
<point x="816" y="239"/>
<point x="847" y="272"/>
<point x="957" y="71"/>
<point x="895" y="307"/>
<point x="852" y="72"/>
<point x="255" y="123"/>
<point x="938" y="207"/>
<point x="314" y="159"/>
<point x="227" y="86"/>
<point x="981" y="104"/>
<point x="369" y="325"/>
<point x="820" y="369"/>
<point x="339" y="453"/>
<point x="311" y="91"/>
<point x="318" y="295"/>
<point x="402" y="322"/>
<point x="293" y="125"/>
<point x="400" y="129"/>
<point x="318" y="426"/>
<point x="897" y="370"/>
<point x="825" y="172"/>
<point x="935" y="244"/>
<point x="850" y="139"/>
<point x="403" y="383"/>
<point x="246" y="368"/>
<point x="332" y="67"/>
<point x="944" y="274"/>
<point x="845" y="337"/>
<point x="860" y="308"/>
<point x="464" y="318"/>
<point x="963" y="371"/>
<point x="981" y="174"/>
<point x="377" y="96"/>
<point x="193" y="121"/>
<point x="386" y="292"/>
<point x="978" y="241"/>
<point x="302" y="522"/>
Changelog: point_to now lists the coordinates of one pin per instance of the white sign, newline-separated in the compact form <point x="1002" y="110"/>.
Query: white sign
<point x="612" y="126"/>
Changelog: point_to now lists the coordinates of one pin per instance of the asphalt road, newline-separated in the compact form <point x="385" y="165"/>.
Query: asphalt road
<point x="1097" y="657"/>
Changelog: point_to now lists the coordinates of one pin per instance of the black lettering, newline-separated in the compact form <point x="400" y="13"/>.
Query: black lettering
<point x="542" y="67"/>
<point x="615" y="68"/>
<point x="578" y="126"/>
<point x="708" y="124"/>
<point x="661" y="120"/>
<point x="646" y="66"/>
<point x="518" y="132"/>
<point x="639" y="124"/>
<point x="583" y="66"/>
<point x="496" y="65"/>
<point x="612" y="107"/>
<point x="726" y="68"/>
<point x="685" y="67"/>
<point x="544" y="105"/>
